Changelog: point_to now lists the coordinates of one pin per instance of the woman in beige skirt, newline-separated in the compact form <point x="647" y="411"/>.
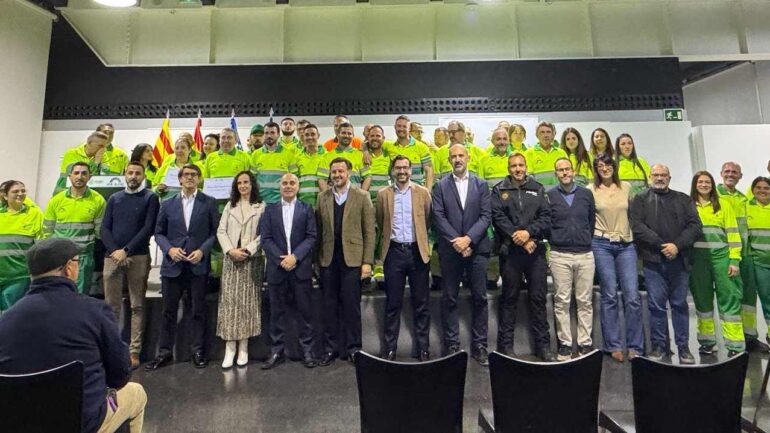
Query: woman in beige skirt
<point x="243" y="268"/>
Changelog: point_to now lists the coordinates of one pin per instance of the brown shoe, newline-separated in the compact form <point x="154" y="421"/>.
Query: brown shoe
<point x="632" y="355"/>
<point x="134" y="361"/>
<point x="618" y="356"/>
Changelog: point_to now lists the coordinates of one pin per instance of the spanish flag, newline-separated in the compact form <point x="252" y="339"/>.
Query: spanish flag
<point x="197" y="136"/>
<point x="163" y="143"/>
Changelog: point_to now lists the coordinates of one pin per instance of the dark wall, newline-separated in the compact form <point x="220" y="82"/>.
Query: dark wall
<point x="80" y="87"/>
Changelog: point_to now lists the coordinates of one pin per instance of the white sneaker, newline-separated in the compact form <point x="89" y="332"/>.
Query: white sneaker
<point x="243" y="352"/>
<point x="229" y="354"/>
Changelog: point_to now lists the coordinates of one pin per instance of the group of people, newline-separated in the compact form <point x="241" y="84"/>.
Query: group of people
<point x="301" y="212"/>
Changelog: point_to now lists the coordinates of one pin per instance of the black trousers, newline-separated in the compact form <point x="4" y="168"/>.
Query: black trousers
<point x="404" y="261"/>
<point x="514" y="268"/>
<point x="297" y="292"/>
<point x="341" y="297"/>
<point x="452" y="268"/>
<point x="173" y="289"/>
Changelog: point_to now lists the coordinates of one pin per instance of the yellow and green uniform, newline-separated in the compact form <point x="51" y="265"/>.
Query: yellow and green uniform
<point x="18" y="231"/>
<point x="442" y="166"/>
<point x="717" y="249"/>
<point x="540" y="164"/>
<point x="522" y="148"/>
<point x="738" y="202"/>
<point x="758" y="223"/>
<point x="493" y="169"/>
<point x="268" y="166"/>
<point x="294" y="144"/>
<point x="418" y="155"/>
<point x="307" y="171"/>
<point x="356" y="158"/>
<point x="78" y="219"/>
<point x="631" y="173"/>
<point x="585" y="174"/>
<point x="114" y="162"/>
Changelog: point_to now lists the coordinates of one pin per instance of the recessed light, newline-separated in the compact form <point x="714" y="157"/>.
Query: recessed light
<point x="117" y="3"/>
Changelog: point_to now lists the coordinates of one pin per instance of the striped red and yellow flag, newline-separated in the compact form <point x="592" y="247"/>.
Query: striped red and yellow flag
<point x="197" y="136"/>
<point x="163" y="143"/>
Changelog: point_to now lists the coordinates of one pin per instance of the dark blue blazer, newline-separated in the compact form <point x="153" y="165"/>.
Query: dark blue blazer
<point x="273" y="238"/>
<point x="170" y="232"/>
<point x="51" y="326"/>
<point x="451" y="221"/>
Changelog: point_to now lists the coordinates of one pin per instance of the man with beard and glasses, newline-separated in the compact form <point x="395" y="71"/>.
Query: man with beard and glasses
<point x="129" y="221"/>
<point x="666" y="225"/>
<point x="731" y="174"/>
<point x="288" y="139"/>
<point x="76" y="213"/>
<point x="346" y="229"/>
<point x="271" y="162"/>
<point x="359" y="175"/>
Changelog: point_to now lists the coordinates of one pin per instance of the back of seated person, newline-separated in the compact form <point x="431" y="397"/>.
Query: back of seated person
<point x="53" y="325"/>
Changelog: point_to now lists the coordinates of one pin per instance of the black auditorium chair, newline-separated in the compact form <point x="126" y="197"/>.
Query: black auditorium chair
<point x="538" y="397"/>
<point x="682" y="398"/>
<point x="43" y="402"/>
<point x="400" y="397"/>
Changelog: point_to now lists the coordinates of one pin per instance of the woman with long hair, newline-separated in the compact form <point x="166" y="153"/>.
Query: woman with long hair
<point x="142" y="154"/>
<point x="20" y="226"/>
<point x="758" y="222"/>
<point x="615" y="258"/>
<point x="601" y="143"/>
<point x="572" y="143"/>
<point x="631" y="168"/>
<point x="715" y="261"/>
<point x="243" y="269"/>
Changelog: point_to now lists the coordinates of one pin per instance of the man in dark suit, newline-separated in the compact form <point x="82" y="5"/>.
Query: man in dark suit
<point x="346" y="220"/>
<point x="185" y="232"/>
<point x="288" y="233"/>
<point x="461" y="214"/>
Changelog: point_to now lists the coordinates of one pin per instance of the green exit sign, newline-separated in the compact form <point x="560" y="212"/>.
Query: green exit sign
<point x="673" y="115"/>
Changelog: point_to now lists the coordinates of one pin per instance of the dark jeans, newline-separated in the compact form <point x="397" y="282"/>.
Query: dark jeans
<point x="452" y="268"/>
<point x="297" y="292"/>
<point x="173" y="289"/>
<point x="341" y="295"/>
<point x="616" y="261"/>
<point x="515" y="267"/>
<point x="402" y="261"/>
<point x="667" y="282"/>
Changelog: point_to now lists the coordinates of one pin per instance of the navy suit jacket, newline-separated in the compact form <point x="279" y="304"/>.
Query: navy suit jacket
<point x="303" y="238"/>
<point x="170" y="232"/>
<point x="452" y="221"/>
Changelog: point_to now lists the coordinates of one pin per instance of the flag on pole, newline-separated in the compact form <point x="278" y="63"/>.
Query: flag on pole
<point x="163" y="143"/>
<point x="234" y="127"/>
<point x="271" y="113"/>
<point x="197" y="136"/>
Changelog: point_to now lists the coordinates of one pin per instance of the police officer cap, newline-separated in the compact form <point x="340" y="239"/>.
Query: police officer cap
<point x="49" y="254"/>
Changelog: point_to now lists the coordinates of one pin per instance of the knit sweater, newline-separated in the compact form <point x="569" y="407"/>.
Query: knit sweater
<point x="129" y="221"/>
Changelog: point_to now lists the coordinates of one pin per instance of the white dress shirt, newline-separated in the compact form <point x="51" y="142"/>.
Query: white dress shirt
<point x="462" y="187"/>
<point x="288" y="219"/>
<point x="341" y="197"/>
<point x="187" y="207"/>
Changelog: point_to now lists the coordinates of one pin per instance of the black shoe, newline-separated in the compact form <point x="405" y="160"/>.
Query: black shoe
<point x="273" y="361"/>
<point x="755" y="346"/>
<point x="685" y="357"/>
<point x="424" y="356"/>
<point x="198" y="360"/>
<point x="585" y="350"/>
<point x="452" y="348"/>
<point x="546" y="355"/>
<point x="158" y="362"/>
<point x="706" y="349"/>
<point x="656" y="354"/>
<point x="390" y="355"/>
<point x="564" y="353"/>
<point x="480" y="355"/>
<point x="327" y="359"/>
<point x="507" y="351"/>
<point x="309" y="362"/>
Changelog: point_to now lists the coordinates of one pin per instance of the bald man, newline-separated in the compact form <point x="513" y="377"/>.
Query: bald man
<point x="288" y="233"/>
<point x="665" y="225"/>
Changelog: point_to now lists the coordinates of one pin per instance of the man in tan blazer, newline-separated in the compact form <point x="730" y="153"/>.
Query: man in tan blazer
<point x="346" y="228"/>
<point x="403" y="216"/>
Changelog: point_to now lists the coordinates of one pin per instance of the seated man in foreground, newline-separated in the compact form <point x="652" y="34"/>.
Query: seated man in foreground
<point x="53" y="325"/>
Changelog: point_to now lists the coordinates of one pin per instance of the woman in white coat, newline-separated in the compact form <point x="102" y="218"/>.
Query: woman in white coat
<point x="243" y="269"/>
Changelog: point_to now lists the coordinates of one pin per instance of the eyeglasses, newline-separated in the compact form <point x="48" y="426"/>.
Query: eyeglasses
<point x="189" y="174"/>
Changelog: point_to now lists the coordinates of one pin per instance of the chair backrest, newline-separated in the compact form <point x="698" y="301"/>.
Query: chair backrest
<point x="43" y="402"/>
<point x="698" y="398"/>
<point x="543" y="397"/>
<point x="423" y="397"/>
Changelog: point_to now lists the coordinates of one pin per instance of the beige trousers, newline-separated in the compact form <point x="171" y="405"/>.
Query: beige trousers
<point x="131" y="402"/>
<point x="136" y="272"/>
<point x="573" y="270"/>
